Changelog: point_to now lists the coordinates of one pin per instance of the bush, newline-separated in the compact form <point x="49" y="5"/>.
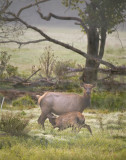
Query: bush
<point x="5" y="68"/>
<point x="69" y="87"/>
<point x="108" y="100"/>
<point x="24" y="102"/>
<point x="11" y="70"/>
<point x="14" y="124"/>
<point x="47" y="62"/>
<point x="4" y="60"/>
<point x="61" y="68"/>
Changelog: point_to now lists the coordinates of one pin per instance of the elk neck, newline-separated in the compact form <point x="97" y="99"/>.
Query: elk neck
<point x="87" y="99"/>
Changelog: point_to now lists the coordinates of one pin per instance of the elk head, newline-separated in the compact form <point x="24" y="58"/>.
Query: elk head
<point x="88" y="88"/>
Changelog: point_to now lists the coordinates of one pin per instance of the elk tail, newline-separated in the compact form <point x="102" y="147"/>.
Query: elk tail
<point x="37" y="96"/>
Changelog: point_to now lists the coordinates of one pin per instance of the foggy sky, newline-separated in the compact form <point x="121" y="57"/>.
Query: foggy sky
<point x="53" y="6"/>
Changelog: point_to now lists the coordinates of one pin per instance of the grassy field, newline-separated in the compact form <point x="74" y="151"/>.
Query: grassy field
<point x="29" y="55"/>
<point x="107" y="143"/>
<point x="109" y="128"/>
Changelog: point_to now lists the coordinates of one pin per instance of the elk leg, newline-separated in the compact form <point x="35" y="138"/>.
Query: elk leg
<point x="60" y="129"/>
<point x="74" y="128"/>
<point x="43" y="116"/>
<point x="79" y="128"/>
<point x="39" y="120"/>
<point x="42" y="119"/>
<point x="88" y="127"/>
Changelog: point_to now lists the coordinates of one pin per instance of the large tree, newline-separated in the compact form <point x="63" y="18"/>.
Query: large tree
<point x="99" y="18"/>
<point x="96" y="18"/>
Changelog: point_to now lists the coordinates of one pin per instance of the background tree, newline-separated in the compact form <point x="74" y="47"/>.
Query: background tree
<point x="99" y="17"/>
<point x="96" y="17"/>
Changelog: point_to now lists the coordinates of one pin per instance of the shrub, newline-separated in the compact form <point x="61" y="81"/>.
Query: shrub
<point x="25" y="101"/>
<point x="61" y="68"/>
<point x="47" y="61"/>
<point x="11" y="70"/>
<point x="14" y="124"/>
<point x="69" y="87"/>
<point x="5" y="68"/>
<point x="4" y="60"/>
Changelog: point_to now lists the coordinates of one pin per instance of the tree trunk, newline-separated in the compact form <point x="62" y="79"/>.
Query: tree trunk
<point x="90" y="74"/>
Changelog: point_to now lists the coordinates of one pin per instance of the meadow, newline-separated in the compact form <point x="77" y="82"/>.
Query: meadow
<point x="107" y="117"/>
<point x="28" y="55"/>
<point x="107" y="143"/>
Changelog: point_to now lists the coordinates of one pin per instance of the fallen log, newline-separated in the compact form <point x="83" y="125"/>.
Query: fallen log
<point x="121" y="70"/>
<point x="26" y="80"/>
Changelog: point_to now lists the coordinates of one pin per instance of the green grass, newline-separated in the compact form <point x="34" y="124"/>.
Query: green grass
<point x="13" y="124"/>
<point x="115" y="55"/>
<point x="98" y="147"/>
<point x="112" y="101"/>
<point x="108" y="143"/>
<point x="24" y="102"/>
<point x="109" y="129"/>
<point x="25" y="58"/>
<point x="29" y="55"/>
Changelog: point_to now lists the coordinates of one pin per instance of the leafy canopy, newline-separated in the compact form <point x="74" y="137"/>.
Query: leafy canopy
<point x="99" y="14"/>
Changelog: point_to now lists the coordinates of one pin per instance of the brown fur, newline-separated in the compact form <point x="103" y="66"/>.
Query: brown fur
<point x="71" y="119"/>
<point x="61" y="103"/>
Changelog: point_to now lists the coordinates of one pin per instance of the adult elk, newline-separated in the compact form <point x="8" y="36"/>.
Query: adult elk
<point x="61" y="103"/>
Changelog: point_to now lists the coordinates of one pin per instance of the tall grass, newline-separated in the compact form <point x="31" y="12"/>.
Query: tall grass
<point x="97" y="148"/>
<point x="24" y="102"/>
<point x="113" y="101"/>
<point x="13" y="124"/>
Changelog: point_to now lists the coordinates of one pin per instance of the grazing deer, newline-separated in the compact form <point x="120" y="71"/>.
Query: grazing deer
<point x="71" y="119"/>
<point x="61" y="103"/>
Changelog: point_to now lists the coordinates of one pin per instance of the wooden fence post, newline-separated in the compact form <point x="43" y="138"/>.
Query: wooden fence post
<point x="2" y="103"/>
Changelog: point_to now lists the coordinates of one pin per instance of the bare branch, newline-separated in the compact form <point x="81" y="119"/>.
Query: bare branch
<point x="50" y="15"/>
<point x="61" y="43"/>
<point x="119" y="39"/>
<point x="29" y="6"/>
<point x="23" y="81"/>
<point x="5" y="7"/>
<point x="7" y="19"/>
<point x="23" y="43"/>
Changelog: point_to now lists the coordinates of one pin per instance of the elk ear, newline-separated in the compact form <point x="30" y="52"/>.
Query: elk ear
<point x="38" y="96"/>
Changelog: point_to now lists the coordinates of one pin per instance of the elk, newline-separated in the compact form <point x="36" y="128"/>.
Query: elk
<point x="71" y="119"/>
<point x="60" y="103"/>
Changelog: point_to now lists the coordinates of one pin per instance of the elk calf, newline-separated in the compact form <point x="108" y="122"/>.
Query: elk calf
<point x="71" y="119"/>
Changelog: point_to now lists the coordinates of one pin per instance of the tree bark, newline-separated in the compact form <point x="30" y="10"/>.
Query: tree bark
<point x="103" y="40"/>
<point x="90" y="76"/>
